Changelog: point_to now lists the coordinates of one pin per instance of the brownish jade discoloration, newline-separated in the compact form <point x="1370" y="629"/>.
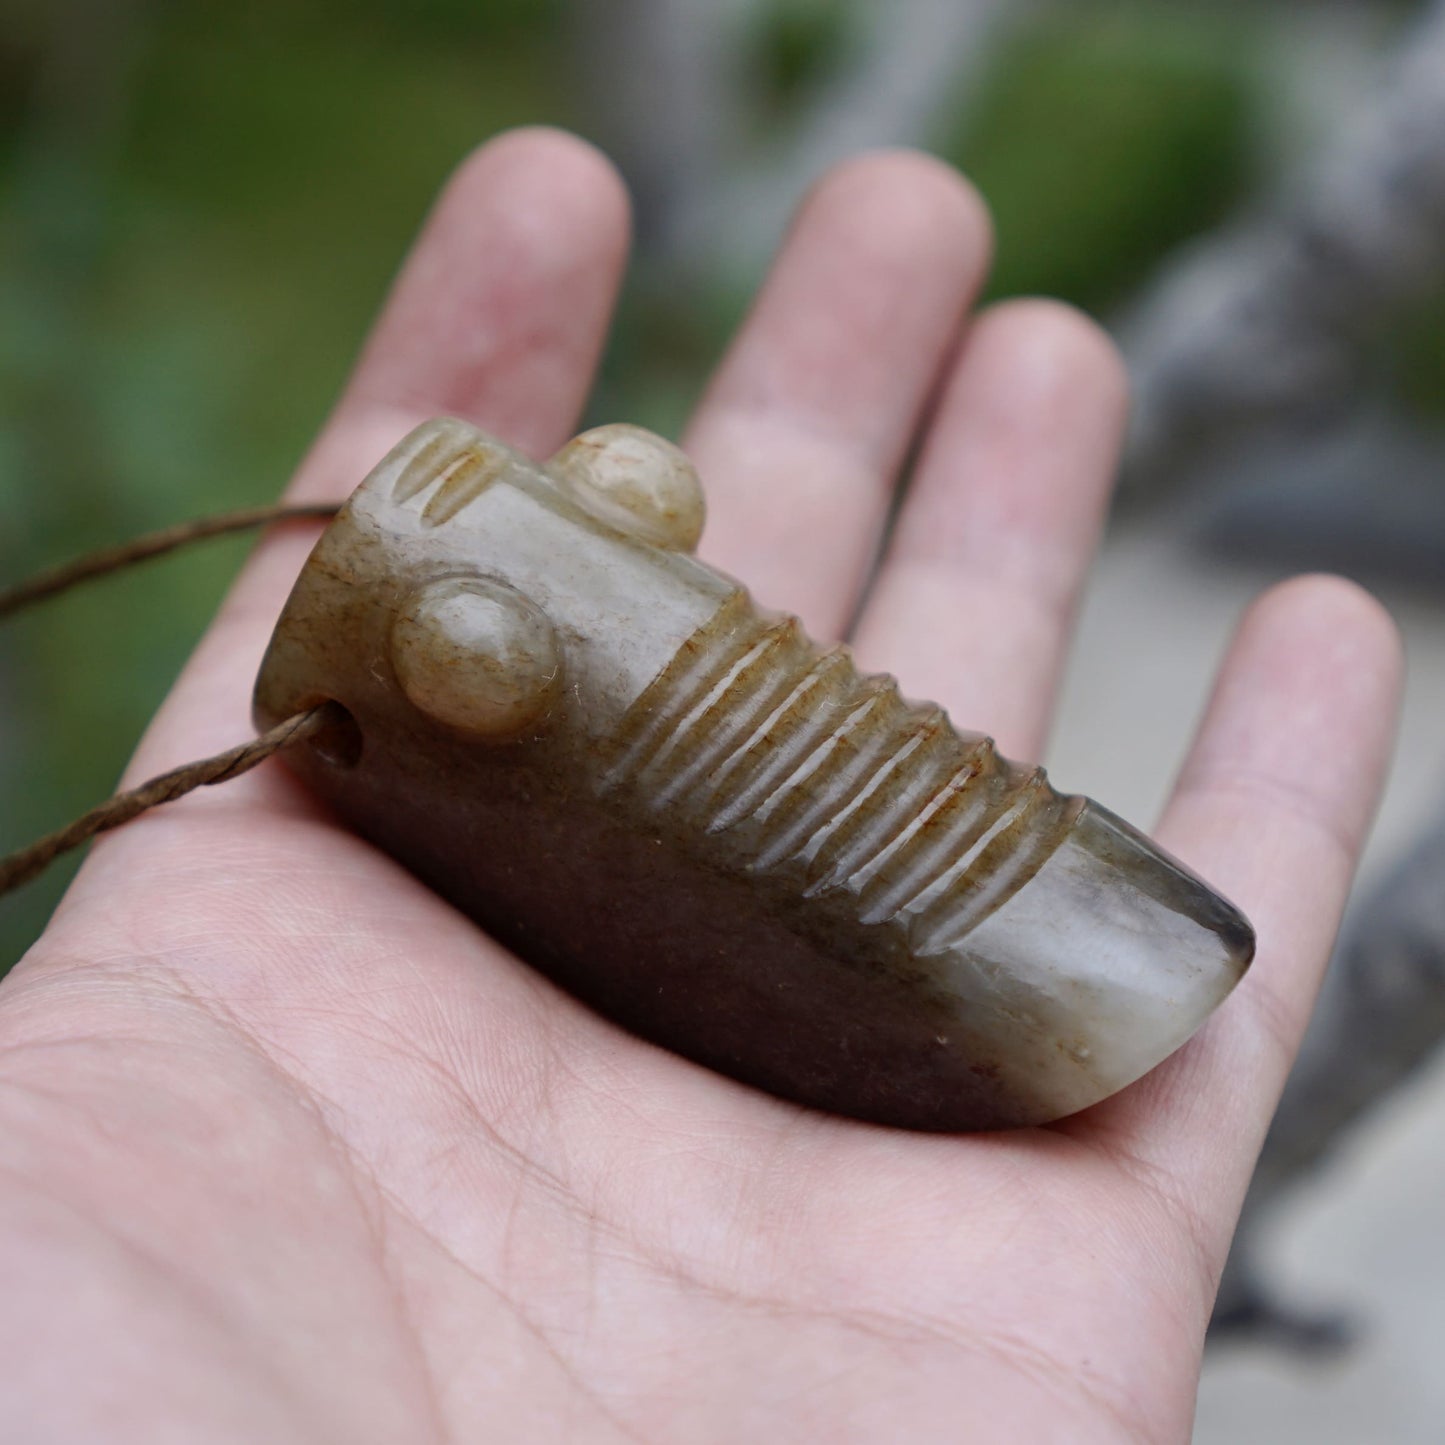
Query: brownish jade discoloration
<point x="710" y="828"/>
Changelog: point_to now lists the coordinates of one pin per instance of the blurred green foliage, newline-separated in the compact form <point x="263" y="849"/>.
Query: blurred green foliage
<point x="200" y="215"/>
<point x="794" y="47"/>
<point x="1105" y="137"/>
<point x="1411" y="347"/>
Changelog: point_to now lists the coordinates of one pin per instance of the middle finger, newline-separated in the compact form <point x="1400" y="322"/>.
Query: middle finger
<point x="975" y="600"/>
<point x="802" y="432"/>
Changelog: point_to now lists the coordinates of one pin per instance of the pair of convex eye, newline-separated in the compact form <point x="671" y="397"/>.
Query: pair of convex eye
<point x="480" y="658"/>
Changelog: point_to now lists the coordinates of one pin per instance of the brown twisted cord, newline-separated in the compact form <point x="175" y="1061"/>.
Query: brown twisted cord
<point x="27" y="863"/>
<point x="154" y="544"/>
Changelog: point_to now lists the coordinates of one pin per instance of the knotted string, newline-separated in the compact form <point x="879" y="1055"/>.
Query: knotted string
<point x="155" y="544"/>
<point x="20" y="867"/>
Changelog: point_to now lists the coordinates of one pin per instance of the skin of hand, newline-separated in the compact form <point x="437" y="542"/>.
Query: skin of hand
<point x="292" y="1152"/>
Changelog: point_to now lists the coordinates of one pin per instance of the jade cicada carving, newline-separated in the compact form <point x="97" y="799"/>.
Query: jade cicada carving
<point x="712" y="829"/>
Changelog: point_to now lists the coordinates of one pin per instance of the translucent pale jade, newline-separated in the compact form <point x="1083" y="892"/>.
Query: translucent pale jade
<point x="705" y="825"/>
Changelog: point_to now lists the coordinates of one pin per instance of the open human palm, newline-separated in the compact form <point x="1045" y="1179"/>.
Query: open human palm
<point x="292" y="1152"/>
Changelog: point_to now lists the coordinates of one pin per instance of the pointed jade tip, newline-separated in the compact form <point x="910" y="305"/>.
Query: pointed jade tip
<point x="1107" y="960"/>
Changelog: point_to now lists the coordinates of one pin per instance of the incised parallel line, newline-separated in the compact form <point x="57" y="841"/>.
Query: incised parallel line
<point x="794" y="761"/>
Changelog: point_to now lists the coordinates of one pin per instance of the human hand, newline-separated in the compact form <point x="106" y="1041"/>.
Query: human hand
<point x="294" y="1153"/>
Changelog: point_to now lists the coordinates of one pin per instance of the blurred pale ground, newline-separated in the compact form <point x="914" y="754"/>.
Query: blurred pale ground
<point x="184" y="276"/>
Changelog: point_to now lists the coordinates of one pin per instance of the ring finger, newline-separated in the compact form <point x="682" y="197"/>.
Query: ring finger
<point x="975" y="600"/>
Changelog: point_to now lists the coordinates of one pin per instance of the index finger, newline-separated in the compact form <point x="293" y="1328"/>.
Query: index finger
<point x="498" y="316"/>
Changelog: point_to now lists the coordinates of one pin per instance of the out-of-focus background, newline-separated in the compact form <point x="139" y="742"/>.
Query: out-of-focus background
<point x="201" y="204"/>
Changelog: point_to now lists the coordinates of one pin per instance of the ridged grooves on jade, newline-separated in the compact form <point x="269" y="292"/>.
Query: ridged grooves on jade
<point x="444" y="473"/>
<point x="794" y="761"/>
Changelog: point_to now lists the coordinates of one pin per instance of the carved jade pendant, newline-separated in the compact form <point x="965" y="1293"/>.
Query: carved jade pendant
<point x="708" y="827"/>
